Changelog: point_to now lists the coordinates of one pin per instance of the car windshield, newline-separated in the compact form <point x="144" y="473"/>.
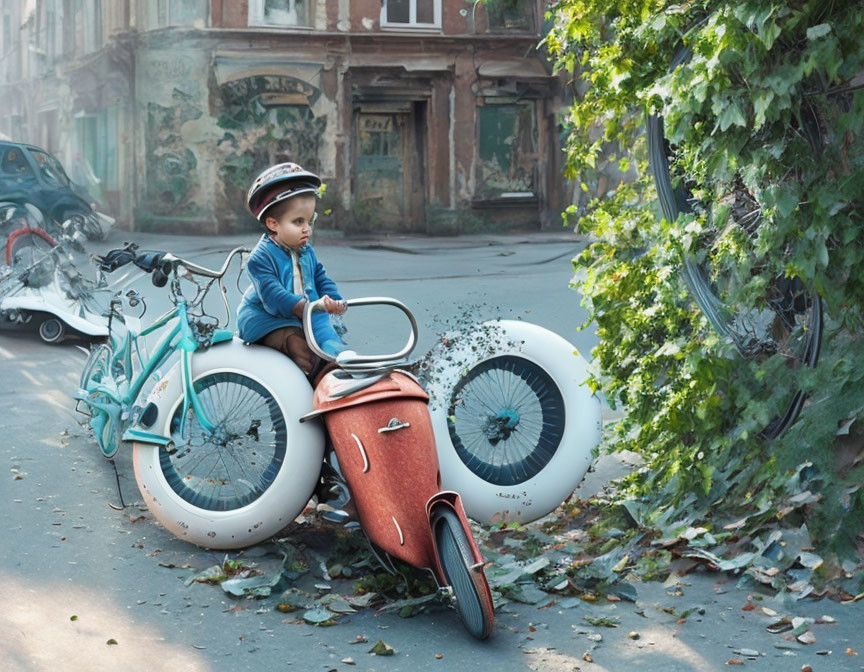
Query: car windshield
<point x="50" y="167"/>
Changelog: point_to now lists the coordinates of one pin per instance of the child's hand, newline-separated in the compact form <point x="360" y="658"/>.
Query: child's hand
<point x="333" y="306"/>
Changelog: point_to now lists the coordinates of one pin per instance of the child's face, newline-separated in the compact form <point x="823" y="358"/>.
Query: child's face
<point x="294" y="226"/>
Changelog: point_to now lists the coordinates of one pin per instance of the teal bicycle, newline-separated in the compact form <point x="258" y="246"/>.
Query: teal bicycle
<point x="213" y="436"/>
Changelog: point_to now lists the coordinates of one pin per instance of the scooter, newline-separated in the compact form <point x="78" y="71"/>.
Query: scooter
<point x="381" y="432"/>
<point x="39" y="283"/>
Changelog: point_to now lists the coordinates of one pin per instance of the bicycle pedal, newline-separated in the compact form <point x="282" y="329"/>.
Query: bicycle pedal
<point x="86" y="413"/>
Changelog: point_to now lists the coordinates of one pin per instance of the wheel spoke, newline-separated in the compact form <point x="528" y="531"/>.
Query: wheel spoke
<point x="507" y="419"/>
<point x="229" y="466"/>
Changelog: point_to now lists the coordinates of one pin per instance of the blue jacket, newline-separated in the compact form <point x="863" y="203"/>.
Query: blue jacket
<point x="267" y="304"/>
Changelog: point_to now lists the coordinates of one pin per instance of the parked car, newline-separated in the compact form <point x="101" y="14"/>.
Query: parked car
<point x="29" y="174"/>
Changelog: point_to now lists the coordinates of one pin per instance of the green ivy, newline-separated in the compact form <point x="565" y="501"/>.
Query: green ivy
<point x="740" y="115"/>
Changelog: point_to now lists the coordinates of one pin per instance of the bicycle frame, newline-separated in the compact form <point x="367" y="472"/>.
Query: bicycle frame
<point x="179" y="337"/>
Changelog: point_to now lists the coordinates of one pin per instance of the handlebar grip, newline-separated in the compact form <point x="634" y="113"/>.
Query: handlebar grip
<point x="159" y="278"/>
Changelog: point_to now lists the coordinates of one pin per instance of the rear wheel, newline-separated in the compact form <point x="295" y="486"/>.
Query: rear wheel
<point x="469" y="587"/>
<point x="233" y="465"/>
<point x="52" y="330"/>
<point x="251" y="475"/>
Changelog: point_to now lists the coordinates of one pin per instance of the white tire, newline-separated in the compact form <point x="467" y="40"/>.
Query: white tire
<point x="514" y="424"/>
<point x="259" y="385"/>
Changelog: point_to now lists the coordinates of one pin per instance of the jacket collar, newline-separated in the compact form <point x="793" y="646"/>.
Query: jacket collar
<point x="300" y="250"/>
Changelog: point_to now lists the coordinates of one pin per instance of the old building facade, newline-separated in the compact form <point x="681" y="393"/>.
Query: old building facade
<point x="427" y="116"/>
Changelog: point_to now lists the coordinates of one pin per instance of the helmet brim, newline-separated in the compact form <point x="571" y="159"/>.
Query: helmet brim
<point x="284" y="196"/>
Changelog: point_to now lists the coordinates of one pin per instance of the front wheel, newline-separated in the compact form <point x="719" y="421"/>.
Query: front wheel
<point x="469" y="585"/>
<point x="251" y="475"/>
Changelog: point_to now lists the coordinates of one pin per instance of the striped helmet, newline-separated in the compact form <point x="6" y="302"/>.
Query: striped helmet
<point x="277" y="183"/>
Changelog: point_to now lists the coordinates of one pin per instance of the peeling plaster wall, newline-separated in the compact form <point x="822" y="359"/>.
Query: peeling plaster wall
<point x="175" y="133"/>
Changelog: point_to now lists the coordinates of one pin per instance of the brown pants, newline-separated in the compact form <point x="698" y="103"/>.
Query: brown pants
<point x="290" y="341"/>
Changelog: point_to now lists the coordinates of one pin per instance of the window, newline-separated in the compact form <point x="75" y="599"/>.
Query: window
<point x="506" y="149"/>
<point x="15" y="163"/>
<point x="511" y="16"/>
<point x="50" y="167"/>
<point x="177" y="13"/>
<point x="424" y="14"/>
<point x="92" y="21"/>
<point x="279" y="12"/>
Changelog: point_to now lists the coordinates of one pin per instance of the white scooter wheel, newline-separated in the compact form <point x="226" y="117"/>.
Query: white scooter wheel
<point x="514" y="425"/>
<point x="251" y="477"/>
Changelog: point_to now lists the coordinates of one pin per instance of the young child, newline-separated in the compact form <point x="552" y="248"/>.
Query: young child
<point x="284" y="270"/>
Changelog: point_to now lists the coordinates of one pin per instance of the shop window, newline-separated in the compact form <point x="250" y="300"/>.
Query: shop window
<point x="423" y="14"/>
<point x="506" y="149"/>
<point x="279" y="12"/>
<point x="510" y="16"/>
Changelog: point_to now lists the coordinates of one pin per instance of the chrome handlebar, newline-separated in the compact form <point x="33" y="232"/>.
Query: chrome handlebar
<point x="350" y="359"/>
<point x="176" y="261"/>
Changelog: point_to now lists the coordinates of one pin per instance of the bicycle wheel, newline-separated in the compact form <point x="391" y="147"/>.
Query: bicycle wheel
<point x="786" y="320"/>
<point x="249" y="477"/>
<point x="28" y="252"/>
<point x="506" y="419"/>
<point x="226" y="469"/>
<point x="96" y="370"/>
<point x="514" y="426"/>
<point x="469" y="587"/>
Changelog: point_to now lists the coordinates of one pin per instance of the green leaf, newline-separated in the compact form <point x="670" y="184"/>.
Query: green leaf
<point x="731" y="116"/>
<point x="815" y="32"/>
<point x="761" y="102"/>
<point x="822" y="253"/>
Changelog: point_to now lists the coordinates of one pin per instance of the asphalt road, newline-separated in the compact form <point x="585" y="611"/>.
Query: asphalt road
<point x="75" y="573"/>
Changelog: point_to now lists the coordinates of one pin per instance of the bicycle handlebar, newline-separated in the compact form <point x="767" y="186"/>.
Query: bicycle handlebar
<point x="349" y="359"/>
<point x="196" y="269"/>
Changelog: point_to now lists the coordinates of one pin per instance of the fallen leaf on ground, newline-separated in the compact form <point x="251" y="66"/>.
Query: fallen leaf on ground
<point x="603" y="621"/>
<point x="734" y="661"/>
<point x="381" y="648"/>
